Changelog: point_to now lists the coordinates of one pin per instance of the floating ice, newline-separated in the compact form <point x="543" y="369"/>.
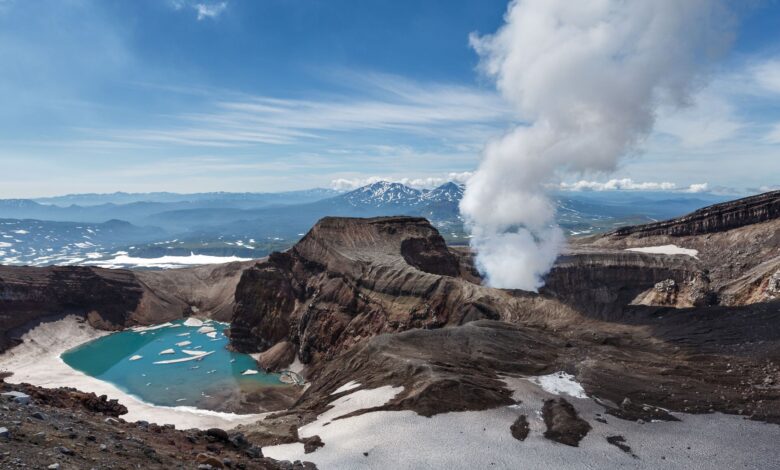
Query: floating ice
<point x="135" y="358"/>
<point x="168" y="351"/>
<point x="192" y="353"/>
<point x="206" y="329"/>
<point x="249" y="372"/>
<point x="150" y="328"/>
<point x="212" y="334"/>
<point x="193" y="322"/>
<point x="184" y="343"/>
<point x="185" y="359"/>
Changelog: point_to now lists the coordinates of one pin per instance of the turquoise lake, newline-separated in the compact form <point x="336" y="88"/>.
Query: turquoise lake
<point x="171" y="364"/>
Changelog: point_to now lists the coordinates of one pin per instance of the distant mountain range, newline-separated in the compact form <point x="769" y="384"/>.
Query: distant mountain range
<point x="72" y="228"/>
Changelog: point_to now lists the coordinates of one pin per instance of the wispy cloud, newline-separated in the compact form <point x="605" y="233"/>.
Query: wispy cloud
<point x="463" y="115"/>
<point x="210" y="10"/>
<point x="204" y="9"/>
<point x="710" y="119"/>
<point x="627" y="184"/>
<point x="767" y="75"/>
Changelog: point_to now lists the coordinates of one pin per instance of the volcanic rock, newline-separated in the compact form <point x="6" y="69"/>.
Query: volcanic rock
<point x="350" y="279"/>
<point x="563" y="423"/>
<point x="519" y="428"/>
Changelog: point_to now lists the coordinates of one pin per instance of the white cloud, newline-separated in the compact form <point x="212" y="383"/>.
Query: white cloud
<point x="710" y="119"/>
<point x="698" y="188"/>
<point x="773" y="136"/>
<point x="204" y="9"/>
<point x="628" y="184"/>
<point x="212" y="10"/>
<point x="767" y="75"/>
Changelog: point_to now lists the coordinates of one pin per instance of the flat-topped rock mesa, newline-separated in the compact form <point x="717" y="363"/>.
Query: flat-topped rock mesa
<point x="113" y="298"/>
<point x="350" y="279"/>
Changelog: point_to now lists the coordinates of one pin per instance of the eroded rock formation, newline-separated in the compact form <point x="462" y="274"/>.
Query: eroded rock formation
<point x="351" y="279"/>
<point x="113" y="298"/>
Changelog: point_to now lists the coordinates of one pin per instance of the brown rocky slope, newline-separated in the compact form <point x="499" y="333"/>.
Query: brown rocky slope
<point x="337" y="296"/>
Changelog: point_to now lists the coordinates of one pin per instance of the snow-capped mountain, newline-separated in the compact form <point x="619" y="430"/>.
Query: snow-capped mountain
<point x="385" y="193"/>
<point x="448" y="192"/>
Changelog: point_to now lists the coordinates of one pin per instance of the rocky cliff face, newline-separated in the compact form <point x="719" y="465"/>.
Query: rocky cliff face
<point x="602" y="282"/>
<point x="738" y="245"/>
<point x="113" y="298"/>
<point x="107" y="298"/>
<point x="350" y="279"/>
<point x="715" y="218"/>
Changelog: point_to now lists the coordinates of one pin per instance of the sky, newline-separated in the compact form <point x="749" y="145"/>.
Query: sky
<point x="273" y="95"/>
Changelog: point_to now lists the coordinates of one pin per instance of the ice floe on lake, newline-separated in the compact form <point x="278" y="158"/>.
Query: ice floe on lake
<point x="192" y="321"/>
<point x="141" y="329"/>
<point x="186" y="359"/>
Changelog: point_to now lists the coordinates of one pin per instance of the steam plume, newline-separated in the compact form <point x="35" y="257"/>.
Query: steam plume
<point x="587" y="78"/>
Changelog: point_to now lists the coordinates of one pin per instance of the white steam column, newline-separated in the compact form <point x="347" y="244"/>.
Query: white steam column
<point x="587" y="78"/>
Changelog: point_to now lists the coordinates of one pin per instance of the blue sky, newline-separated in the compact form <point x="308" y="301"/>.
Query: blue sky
<point x="268" y="95"/>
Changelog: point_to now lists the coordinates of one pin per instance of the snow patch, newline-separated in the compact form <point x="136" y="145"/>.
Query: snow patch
<point x="169" y="262"/>
<point x="666" y="250"/>
<point x="558" y="383"/>
<point x="346" y="387"/>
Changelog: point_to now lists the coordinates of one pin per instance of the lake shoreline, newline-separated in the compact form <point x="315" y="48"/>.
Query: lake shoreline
<point x="37" y="361"/>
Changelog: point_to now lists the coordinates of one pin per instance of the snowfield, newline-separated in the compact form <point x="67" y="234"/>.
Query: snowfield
<point x="666" y="250"/>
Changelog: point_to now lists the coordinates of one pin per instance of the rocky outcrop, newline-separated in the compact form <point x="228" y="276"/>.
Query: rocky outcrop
<point x="113" y="298"/>
<point x="737" y="245"/>
<point x="716" y="218"/>
<point x="278" y="357"/>
<point x="602" y="282"/>
<point x="108" y="298"/>
<point x="206" y="291"/>
<point x="351" y="279"/>
<point x="563" y="423"/>
<point x="649" y="320"/>
<point x="63" y="428"/>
